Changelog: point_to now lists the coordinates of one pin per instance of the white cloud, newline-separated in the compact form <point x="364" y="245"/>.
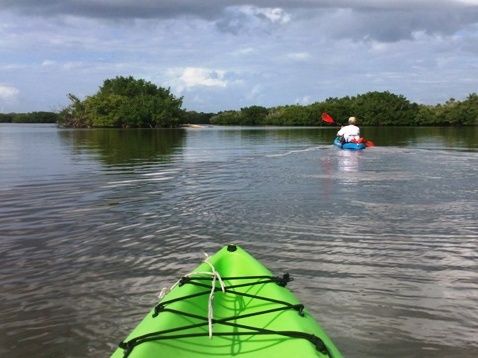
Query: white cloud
<point x="73" y="65"/>
<point x="193" y="76"/>
<point x="299" y="56"/>
<point x="305" y="100"/>
<point x="243" y="51"/>
<point x="8" y="93"/>
<point x="189" y="77"/>
<point x="275" y="15"/>
<point x="255" y="92"/>
<point x="469" y="2"/>
<point x="47" y="63"/>
<point x="251" y="19"/>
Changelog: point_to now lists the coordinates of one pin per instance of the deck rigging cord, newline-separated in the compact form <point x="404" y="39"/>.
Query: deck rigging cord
<point x="199" y="279"/>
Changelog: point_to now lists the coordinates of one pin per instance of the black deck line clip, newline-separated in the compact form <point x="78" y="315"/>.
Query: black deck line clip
<point x="282" y="281"/>
<point x="320" y="345"/>
<point x="300" y="309"/>
<point x="157" y="310"/>
<point x="184" y="280"/>
<point x="127" y="348"/>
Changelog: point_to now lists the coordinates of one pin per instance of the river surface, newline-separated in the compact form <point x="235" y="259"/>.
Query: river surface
<point x="382" y="243"/>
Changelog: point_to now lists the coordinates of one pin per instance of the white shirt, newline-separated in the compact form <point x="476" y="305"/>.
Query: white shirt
<point x="349" y="132"/>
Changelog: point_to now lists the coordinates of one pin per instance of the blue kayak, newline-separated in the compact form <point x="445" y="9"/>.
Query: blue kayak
<point x="352" y="146"/>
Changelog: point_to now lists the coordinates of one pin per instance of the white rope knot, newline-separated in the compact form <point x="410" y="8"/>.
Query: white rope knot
<point x="215" y="277"/>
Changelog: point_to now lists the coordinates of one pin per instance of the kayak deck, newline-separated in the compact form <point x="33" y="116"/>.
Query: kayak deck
<point x="231" y="305"/>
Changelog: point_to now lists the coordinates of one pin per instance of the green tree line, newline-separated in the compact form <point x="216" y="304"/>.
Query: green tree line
<point x="31" y="117"/>
<point x="125" y="102"/>
<point x="372" y="109"/>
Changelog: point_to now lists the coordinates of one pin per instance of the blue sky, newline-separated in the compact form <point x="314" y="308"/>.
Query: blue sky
<point x="222" y="55"/>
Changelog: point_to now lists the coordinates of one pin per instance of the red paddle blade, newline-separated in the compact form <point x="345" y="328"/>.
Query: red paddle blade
<point x="327" y="118"/>
<point x="368" y="143"/>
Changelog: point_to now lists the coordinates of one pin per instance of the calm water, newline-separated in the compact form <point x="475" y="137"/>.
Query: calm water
<point x="382" y="243"/>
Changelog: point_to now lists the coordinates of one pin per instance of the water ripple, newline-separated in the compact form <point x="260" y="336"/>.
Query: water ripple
<point x="386" y="258"/>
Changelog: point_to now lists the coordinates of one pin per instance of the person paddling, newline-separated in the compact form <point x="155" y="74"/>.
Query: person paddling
<point x="351" y="132"/>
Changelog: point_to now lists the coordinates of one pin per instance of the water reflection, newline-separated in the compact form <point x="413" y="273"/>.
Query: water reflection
<point x="118" y="146"/>
<point x="349" y="161"/>
<point x="462" y="138"/>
